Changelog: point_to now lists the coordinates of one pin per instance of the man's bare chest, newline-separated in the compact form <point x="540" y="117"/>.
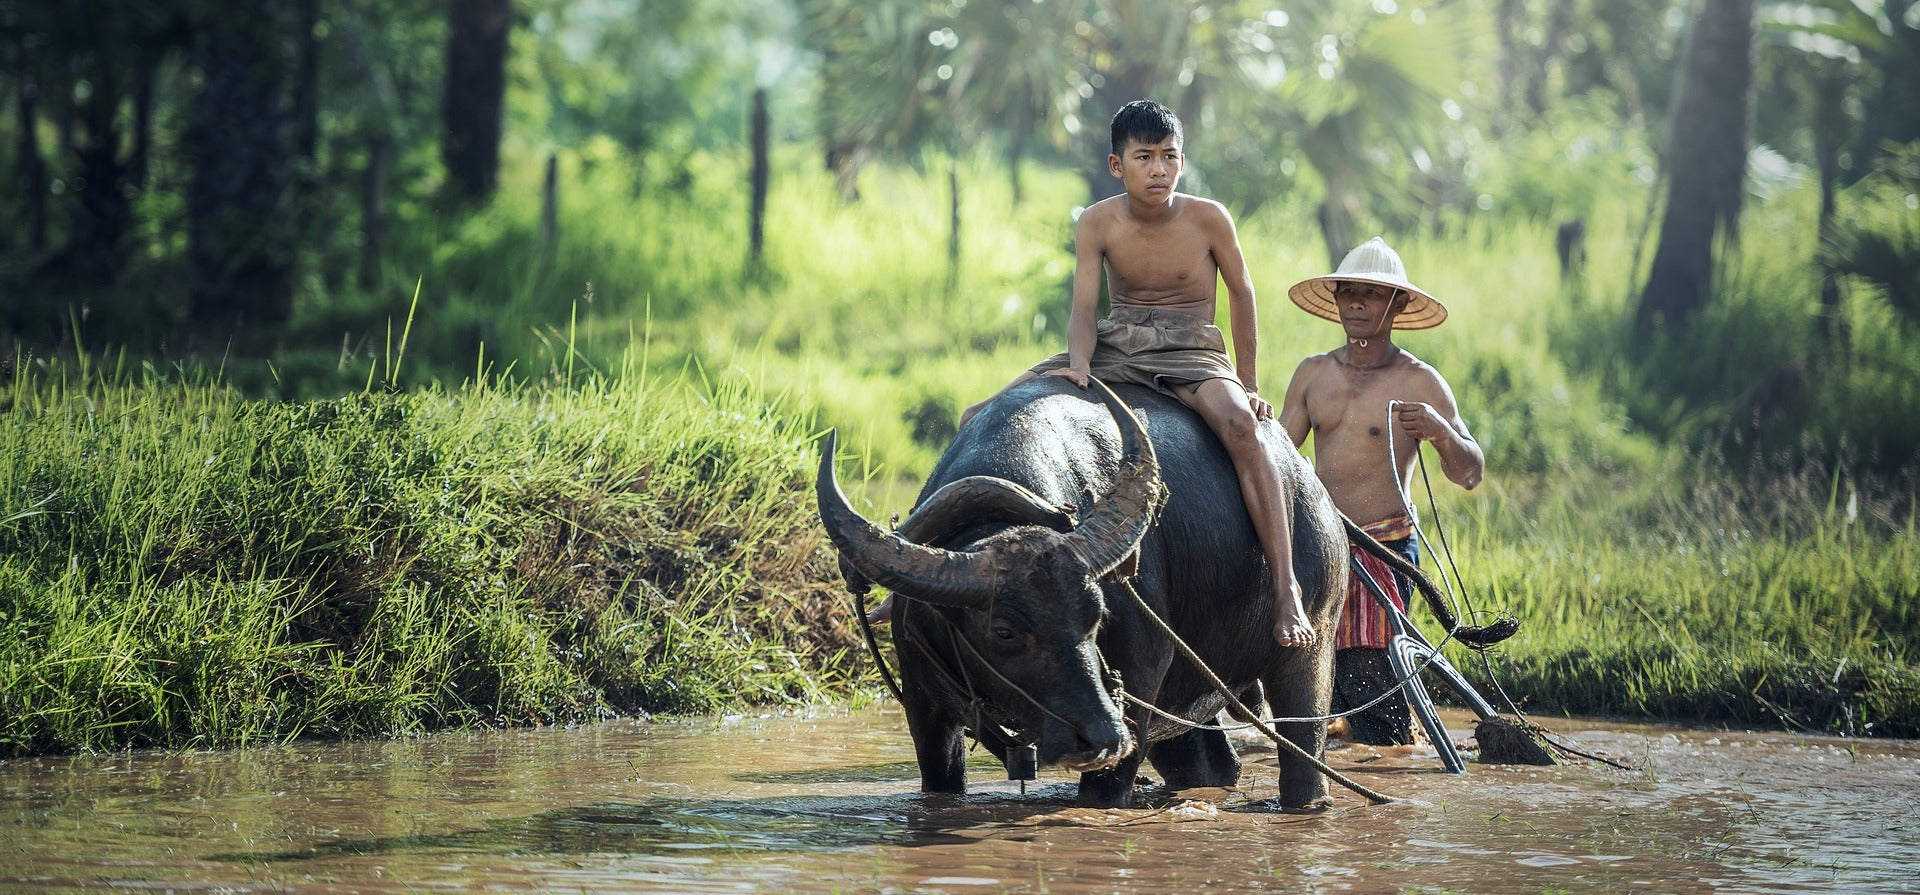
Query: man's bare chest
<point x="1353" y="404"/>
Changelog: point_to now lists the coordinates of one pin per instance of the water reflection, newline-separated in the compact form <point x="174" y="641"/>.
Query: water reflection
<point x="829" y="802"/>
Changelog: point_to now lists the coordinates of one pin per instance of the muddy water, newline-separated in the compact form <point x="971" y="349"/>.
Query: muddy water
<point x="827" y="802"/>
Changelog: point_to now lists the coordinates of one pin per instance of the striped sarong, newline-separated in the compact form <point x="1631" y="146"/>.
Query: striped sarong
<point x="1363" y="622"/>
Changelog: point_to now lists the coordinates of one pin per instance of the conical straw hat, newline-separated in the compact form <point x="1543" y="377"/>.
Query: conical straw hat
<point x="1370" y="262"/>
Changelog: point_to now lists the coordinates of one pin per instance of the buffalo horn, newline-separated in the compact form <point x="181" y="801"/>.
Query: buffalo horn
<point x="924" y="573"/>
<point x="1116" y="524"/>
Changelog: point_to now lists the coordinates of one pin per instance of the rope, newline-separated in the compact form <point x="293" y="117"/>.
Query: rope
<point x="1446" y="553"/>
<point x="1219" y="685"/>
<point x="873" y="647"/>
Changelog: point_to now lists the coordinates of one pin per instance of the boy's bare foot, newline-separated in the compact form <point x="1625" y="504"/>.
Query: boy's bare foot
<point x="881" y="614"/>
<point x="1290" y="625"/>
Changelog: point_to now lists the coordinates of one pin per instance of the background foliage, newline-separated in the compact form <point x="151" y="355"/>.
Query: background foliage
<point x="1732" y="467"/>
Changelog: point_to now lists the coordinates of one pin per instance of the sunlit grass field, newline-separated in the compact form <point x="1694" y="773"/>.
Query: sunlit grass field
<point x="587" y="488"/>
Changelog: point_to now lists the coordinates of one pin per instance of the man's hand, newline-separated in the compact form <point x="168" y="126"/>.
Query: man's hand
<point x="1420" y="421"/>
<point x="1262" y="409"/>
<point x="1077" y="377"/>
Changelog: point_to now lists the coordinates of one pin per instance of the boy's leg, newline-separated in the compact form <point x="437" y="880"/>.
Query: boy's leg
<point x="1223" y="404"/>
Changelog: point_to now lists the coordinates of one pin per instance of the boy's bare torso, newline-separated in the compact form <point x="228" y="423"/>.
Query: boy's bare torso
<point x="1163" y="261"/>
<point x="1346" y="409"/>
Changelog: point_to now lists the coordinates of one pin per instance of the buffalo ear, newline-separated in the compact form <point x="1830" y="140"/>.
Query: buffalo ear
<point x="977" y="499"/>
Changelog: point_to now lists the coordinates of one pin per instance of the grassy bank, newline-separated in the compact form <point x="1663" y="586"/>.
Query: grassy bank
<point x="182" y="567"/>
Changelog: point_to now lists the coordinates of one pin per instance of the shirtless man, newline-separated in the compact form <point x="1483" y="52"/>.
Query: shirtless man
<point x="1164" y="253"/>
<point x="1369" y="404"/>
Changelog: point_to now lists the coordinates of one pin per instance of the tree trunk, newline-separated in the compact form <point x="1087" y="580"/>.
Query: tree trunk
<point x="139" y="163"/>
<point x="239" y="229"/>
<point x="33" y="166"/>
<point x="97" y="246"/>
<point x="373" y="211"/>
<point x="475" y="93"/>
<point x="1706" y="163"/>
<point x="1508" y="17"/>
<point x="1547" y="56"/>
<point x="550" y="209"/>
<point x="757" y="211"/>
<point x="306" y="85"/>
<point x="953" y="221"/>
<point x="1016" y="151"/>
<point x="1829" y="131"/>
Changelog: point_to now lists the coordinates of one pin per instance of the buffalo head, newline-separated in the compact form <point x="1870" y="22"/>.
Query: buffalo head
<point x="1013" y="586"/>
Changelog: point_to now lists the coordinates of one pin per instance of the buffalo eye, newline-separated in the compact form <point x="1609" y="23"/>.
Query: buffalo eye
<point x="1004" y="634"/>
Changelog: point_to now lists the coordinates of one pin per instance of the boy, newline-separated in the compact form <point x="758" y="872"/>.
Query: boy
<point x="1369" y="404"/>
<point x="1163" y="253"/>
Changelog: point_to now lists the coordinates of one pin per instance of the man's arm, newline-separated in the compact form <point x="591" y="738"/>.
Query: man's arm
<point x="1293" y="409"/>
<point x="1088" y="254"/>
<point x="1241" y="309"/>
<point x="1438" y="421"/>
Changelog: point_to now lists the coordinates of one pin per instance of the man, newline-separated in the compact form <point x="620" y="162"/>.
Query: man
<point x="1369" y="404"/>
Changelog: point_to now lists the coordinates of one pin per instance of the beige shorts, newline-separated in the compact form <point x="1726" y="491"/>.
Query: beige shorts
<point x="1157" y="349"/>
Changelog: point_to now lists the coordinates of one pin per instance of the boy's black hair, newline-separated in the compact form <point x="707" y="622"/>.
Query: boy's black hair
<point x="1146" y="121"/>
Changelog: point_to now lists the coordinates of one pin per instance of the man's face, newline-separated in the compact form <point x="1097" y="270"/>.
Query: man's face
<point x="1366" y="309"/>
<point x="1150" y="171"/>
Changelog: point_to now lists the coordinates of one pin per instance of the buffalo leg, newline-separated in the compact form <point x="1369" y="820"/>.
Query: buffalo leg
<point x="939" y="744"/>
<point x="1196" y="758"/>
<point x="943" y="759"/>
<point x="1302" y="786"/>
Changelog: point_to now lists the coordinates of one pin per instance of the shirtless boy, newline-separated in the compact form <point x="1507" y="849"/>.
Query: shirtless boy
<point x="1164" y="253"/>
<point x="1359" y="400"/>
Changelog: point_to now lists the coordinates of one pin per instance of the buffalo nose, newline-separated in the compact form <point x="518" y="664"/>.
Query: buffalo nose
<point x="1101" y="744"/>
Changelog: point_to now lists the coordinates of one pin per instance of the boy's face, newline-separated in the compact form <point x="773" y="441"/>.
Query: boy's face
<point x="1367" y="309"/>
<point x="1150" y="171"/>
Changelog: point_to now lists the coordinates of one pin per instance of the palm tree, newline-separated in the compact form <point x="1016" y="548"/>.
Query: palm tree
<point x="879" y="90"/>
<point x="1838" y="39"/>
<point x="1367" y="95"/>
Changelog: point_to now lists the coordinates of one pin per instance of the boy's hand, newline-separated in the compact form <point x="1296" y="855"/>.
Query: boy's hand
<point x="1420" y="421"/>
<point x="1261" y="407"/>
<point x="1077" y="377"/>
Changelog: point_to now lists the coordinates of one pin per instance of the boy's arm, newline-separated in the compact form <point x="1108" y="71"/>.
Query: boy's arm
<point x="1438" y="422"/>
<point x="1081" y="332"/>
<point x="1241" y="310"/>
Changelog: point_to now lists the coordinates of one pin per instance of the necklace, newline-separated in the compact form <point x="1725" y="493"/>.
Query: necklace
<point x="1392" y="352"/>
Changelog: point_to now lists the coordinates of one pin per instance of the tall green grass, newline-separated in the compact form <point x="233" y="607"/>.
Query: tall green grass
<point x="1679" y="592"/>
<point x="183" y="567"/>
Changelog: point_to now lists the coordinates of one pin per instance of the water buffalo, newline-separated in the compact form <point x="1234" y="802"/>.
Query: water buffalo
<point x="1017" y="626"/>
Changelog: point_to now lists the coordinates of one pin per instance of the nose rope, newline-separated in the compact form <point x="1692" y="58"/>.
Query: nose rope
<point x="964" y="682"/>
<point x="962" y="642"/>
